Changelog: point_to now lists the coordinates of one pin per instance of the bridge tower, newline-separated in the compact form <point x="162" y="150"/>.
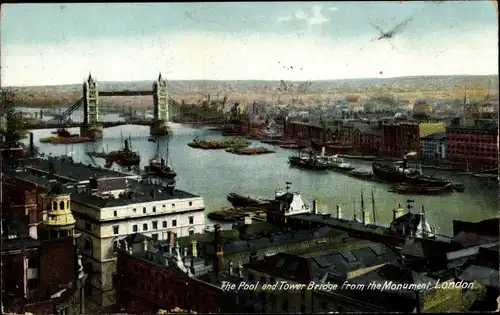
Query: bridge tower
<point x="161" y="108"/>
<point x="90" y="126"/>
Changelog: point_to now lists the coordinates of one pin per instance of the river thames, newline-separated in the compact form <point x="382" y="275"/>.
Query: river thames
<point x="213" y="174"/>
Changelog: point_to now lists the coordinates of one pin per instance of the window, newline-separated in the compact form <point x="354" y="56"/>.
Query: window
<point x="155" y="236"/>
<point x="88" y="226"/>
<point x="155" y="225"/>
<point x="164" y="224"/>
<point x="173" y="206"/>
<point x="154" y="209"/>
<point x="143" y="209"/>
<point x="302" y="308"/>
<point x="116" y="229"/>
<point x="191" y="232"/>
<point x="191" y="220"/>
<point x="61" y="205"/>
<point x="145" y="227"/>
<point x="33" y="284"/>
<point x="54" y="205"/>
<point x="174" y="222"/>
<point x="190" y="203"/>
<point x="303" y="294"/>
<point x="115" y="213"/>
<point x="134" y="228"/>
<point x="135" y="210"/>
<point x="164" y="206"/>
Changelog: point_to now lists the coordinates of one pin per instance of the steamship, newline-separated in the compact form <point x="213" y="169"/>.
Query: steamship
<point x="399" y="172"/>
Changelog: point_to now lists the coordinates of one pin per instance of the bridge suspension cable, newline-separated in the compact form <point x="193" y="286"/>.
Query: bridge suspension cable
<point x="64" y="116"/>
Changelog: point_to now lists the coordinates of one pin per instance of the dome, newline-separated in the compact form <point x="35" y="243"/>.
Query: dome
<point x="57" y="189"/>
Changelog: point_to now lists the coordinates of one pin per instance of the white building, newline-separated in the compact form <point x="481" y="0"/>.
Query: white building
<point x="114" y="208"/>
<point x="433" y="147"/>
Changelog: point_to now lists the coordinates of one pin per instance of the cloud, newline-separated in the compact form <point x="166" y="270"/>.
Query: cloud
<point x="333" y="9"/>
<point x="315" y="17"/>
<point x="218" y="56"/>
<point x="285" y="18"/>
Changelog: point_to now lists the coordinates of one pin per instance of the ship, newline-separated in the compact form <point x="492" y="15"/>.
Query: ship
<point x="125" y="156"/>
<point x="423" y="189"/>
<point x="242" y="201"/>
<point x="310" y="162"/>
<point x="159" y="165"/>
<point x="399" y="172"/>
<point x="334" y="162"/>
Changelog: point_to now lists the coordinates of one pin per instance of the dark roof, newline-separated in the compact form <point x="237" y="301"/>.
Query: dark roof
<point x="19" y="243"/>
<point x="486" y="227"/>
<point x="69" y="170"/>
<point x="435" y="136"/>
<point x="255" y="242"/>
<point x="334" y="265"/>
<point x="57" y="189"/>
<point x="427" y="248"/>
<point x="142" y="192"/>
<point x="485" y="275"/>
<point x="374" y="131"/>
<point x="467" y="239"/>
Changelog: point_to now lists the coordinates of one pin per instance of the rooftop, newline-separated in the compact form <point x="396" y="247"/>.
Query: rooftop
<point x="67" y="170"/>
<point x="334" y="265"/>
<point x="435" y="136"/>
<point x="18" y="243"/>
<point x="137" y="192"/>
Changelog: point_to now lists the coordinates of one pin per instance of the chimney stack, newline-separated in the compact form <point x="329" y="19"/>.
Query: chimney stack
<point x="194" y="249"/>
<point x="366" y="217"/>
<point x="185" y="251"/>
<point x="51" y="168"/>
<point x="231" y="268"/>
<point x="339" y="212"/>
<point x="171" y="238"/>
<point x="218" y="249"/>
<point x="32" y="145"/>
<point x="145" y="245"/>
<point x="315" y="206"/>
<point x="240" y="271"/>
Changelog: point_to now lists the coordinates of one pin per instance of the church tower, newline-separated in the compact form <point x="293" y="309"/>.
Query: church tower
<point x="60" y="221"/>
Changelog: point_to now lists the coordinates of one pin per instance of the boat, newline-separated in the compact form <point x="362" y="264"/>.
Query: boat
<point x="151" y="139"/>
<point x="334" y="162"/>
<point x="307" y="162"/>
<point x="361" y="174"/>
<point x="459" y="187"/>
<point x="159" y="165"/>
<point x="125" y="156"/>
<point x="271" y="141"/>
<point x="423" y="189"/>
<point x="96" y="154"/>
<point x="399" y="172"/>
<point x="61" y="132"/>
<point x="241" y="201"/>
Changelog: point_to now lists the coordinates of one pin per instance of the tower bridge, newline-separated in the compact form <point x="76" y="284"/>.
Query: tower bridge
<point x="85" y="113"/>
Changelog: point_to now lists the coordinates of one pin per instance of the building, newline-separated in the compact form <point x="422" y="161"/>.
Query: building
<point x="113" y="209"/>
<point x="422" y="110"/>
<point x="433" y="147"/>
<point x="152" y="275"/>
<point x="400" y="138"/>
<point x="371" y="140"/>
<point x="473" y="146"/>
<point x="43" y="276"/>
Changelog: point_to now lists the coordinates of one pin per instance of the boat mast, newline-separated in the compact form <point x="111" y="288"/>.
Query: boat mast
<point x="373" y="208"/>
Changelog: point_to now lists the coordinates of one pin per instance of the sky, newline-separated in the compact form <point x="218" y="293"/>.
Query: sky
<point x="52" y="44"/>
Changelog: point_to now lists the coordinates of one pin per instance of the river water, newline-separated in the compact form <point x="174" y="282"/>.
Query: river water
<point x="213" y="174"/>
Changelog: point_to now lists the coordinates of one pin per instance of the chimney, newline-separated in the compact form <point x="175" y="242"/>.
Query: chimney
<point x="218" y="249"/>
<point x="51" y="169"/>
<point x="171" y="238"/>
<point x="145" y="245"/>
<point x="315" y="206"/>
<point x="240" y="271"/>
<point x="185" y="251"/>
<point x="162" y="162"/>
<point x="194" y="249"/>
<point x="231" y="268"/>
<point x="339" y="213"/>
<point x="32" y="145"/>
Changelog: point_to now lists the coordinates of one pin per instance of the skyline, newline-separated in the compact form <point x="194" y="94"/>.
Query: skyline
<point x="58" y="44"/>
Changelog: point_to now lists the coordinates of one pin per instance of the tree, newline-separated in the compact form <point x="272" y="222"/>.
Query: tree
<point x="16" y="129"/>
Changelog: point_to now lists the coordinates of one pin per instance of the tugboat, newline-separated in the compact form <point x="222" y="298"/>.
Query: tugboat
<point x="399" y="172"/>
<point x="159" y="166"/>
<point x="334" y="162"/>
<point x="125" y="156"/>
<point x="241" y="201"/>
<point x="309" y="162"/>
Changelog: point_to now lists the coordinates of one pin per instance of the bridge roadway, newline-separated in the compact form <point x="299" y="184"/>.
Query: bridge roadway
<point x="109" y="124"/>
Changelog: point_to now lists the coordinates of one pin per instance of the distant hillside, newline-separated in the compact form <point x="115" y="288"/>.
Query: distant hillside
<point x="430" y="87"/>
